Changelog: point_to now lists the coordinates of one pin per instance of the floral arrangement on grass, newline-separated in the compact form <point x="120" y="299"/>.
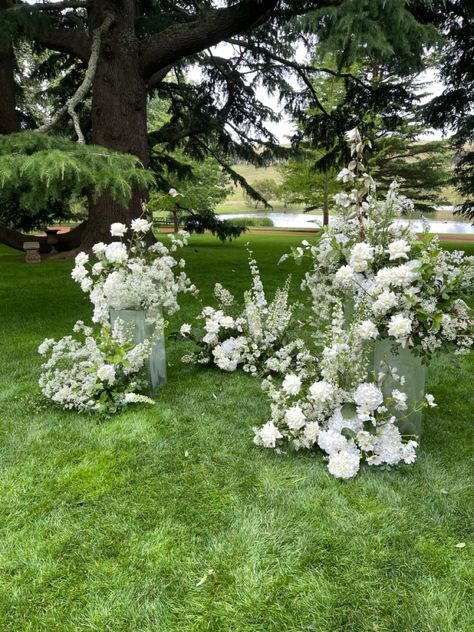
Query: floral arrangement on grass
<point x="255" y="339"/>
<point x="340" y="408"/>
<point x="399" y="287"/>
<point x="103" y="369"/>
<point x="371" y="279"/>
<point x="100" y="370"/>
<point x="133" y="275"/>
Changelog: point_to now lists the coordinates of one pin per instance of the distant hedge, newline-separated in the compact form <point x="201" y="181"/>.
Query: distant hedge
<point x="251" y="221"/>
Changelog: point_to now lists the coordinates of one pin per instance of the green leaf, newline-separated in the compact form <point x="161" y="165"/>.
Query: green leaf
<point x="348" y="411"/>
<point x="348" y="433"/>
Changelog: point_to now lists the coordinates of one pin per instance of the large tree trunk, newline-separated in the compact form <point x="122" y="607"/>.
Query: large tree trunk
<point x="119" y="103"/>
<point x="9" y="121"/>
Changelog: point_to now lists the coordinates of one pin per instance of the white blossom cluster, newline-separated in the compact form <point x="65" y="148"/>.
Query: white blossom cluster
<point x="337" y="409"/>
<point x="400" y="287"/>
<point x="254" y="339"/>
<point x="370" y="279"/>
<point x="97" y="371"/>
<point x="136" y="276"/>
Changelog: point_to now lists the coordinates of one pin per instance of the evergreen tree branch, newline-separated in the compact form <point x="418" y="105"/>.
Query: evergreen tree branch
<point x="85" y="86"/>
<point x="72" y="41"/>
<point x="180" y="40"/>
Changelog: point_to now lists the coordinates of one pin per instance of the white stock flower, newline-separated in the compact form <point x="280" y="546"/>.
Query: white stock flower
<point x="344" y="464"/>
<point x="117" y="229"/>
<point x="116" y="252"/>
<point x="368" y="396"/>
<point x="400" y="399"/>
<point x="295" y="418"/>
<point x="367" y="330"/>
<point x="140" y="225"/>
<point x="398" y="249"/>
<point x="291" y="384"/>
<point x="399" y="326"/>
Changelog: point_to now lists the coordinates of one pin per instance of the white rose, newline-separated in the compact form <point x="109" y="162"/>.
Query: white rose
<point x="268" y="435"/>
<point x="140" y="225"/>
<point x="367" y="330"/>
<point x="321" y="392"/>
<point x="98" y="249"/>
<point x="81" y="259"/>
<point x="79" y="273"/>
<point x="291" y="384"/>
<point x="360" y="257"/>
<point x="398" y="249"/>
<point x="227" y="322"/>
<point x="185" y="329"/>
<point x="368" y="396"/>
<point x="295" y="418"/>
<point x="399" y="326"/>
<point x="118" y="229"/>
<point x="116" y="252"/>
<point x="385" y="301"/>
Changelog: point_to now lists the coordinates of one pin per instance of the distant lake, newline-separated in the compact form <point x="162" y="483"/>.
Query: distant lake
<point x="303" y="220"/>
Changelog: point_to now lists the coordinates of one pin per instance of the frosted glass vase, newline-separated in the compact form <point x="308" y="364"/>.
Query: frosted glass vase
<point x="411" y="368"/>
<point x="135" y="321"/>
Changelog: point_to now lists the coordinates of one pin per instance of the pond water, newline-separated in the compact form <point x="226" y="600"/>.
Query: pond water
<point x="302" y="220"/>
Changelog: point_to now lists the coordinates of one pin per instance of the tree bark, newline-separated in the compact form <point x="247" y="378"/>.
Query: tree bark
<point x="119" y="110"/>
<point x="9" y="120"/>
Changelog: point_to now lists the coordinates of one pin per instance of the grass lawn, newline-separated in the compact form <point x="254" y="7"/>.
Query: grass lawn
<point x="169" y="519"/>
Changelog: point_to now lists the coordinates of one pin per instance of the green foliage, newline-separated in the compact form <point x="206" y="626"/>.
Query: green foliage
<point x="206" y="220"/>
<point x="268" y="190"/>
<point x="251" y="221"/>
<point x="40" y="172"/>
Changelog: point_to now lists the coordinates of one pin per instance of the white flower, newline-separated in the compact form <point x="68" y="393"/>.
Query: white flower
<point x="399" y="326"/>
<point x="173" y="192"/>
<point x="294" y="418"/>
<point x="367" y="330"/>
<point x="116" y="252"/>
<point x="331" y="441"/>
<point x="365" y="440"/>
<point x="106" y="373"/>
<point x="81" y="259"/>
<point x="321" y="392"/>
<point x="268" y="435"/>
<point x="45" y="345"/>
<point x="398" y="249"/>
<point x="86" y="284"/>
<point x="431" y="400"/>
<point x="385" y="302"/>
<point x="291" y="384"/>
<point x="344" y="276"/>
<point x="342" y="199"/>
<point x="97" y="268"/>
<point x="79" y="273"/>
<point x="400" y="399"/>
<point x="227" y="322"/>
<point x="140" y="225"/>
<point x="117" y="229"/>
<point x="98" y="249"/>
<point x="403" y="274"/>
<point x="360" y="257"/>
<point x="311" y="432"/>
<point x="344" y="464"/>
<point x="368" y="396"/>
<point x="345" y="175"/>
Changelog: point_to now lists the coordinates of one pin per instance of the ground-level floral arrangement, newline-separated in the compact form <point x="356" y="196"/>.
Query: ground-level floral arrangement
<point x="257" y="339"/>
<point x="371" y="280"/>
<point x="103" y="368"/>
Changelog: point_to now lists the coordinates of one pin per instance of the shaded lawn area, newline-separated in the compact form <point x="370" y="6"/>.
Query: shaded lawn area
<point x="169" y="519"/>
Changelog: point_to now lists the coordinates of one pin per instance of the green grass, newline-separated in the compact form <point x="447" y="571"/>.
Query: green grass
<point x="112" y="525"/>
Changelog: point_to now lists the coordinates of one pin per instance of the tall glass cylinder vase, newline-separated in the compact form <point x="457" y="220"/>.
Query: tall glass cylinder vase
<point x="411" y="368"/>
<point x="136" y="322"/>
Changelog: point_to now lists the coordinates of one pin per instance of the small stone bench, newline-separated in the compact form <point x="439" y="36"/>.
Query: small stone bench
<point x="31" y="249"/>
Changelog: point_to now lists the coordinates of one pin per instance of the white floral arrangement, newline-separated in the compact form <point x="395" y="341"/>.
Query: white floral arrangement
<point x="133" y="275"/>
<point x="98" y="371"/>
<point x="398" y="286"/>
<point x="370" y="279"/>
<point x="256" y="339"/>
<point x="331" y="408"/>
